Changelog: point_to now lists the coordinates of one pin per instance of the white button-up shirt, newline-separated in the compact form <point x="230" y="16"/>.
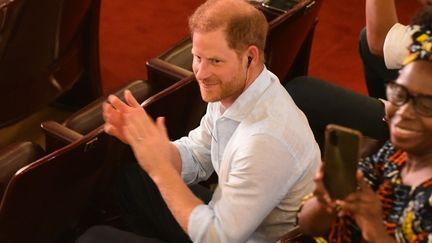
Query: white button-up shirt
<point x="265" y="155"/>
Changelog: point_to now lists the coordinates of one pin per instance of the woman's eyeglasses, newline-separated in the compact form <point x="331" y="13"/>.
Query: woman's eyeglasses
<point x="398" y="95"/>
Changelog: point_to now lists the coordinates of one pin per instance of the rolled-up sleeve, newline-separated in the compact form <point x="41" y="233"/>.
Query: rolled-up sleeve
<point x="196" y="164"/>
<point x="195" y="153"/>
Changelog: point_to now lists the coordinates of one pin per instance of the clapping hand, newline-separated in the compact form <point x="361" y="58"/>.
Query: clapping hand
<point x="131" y="124"/>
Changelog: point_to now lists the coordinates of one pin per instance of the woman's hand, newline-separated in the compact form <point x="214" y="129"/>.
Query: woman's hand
<point x="365" y="207"/>
<point x="319" y="212"/>
<point x="321" y="194"/>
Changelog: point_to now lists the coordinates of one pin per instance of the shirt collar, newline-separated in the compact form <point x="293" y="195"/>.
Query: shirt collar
<point x="247" y="100"/>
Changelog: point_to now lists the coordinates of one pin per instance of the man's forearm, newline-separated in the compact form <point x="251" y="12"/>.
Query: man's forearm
<point x="176" y="158"/>
<point x="176" y="194"/>
<point x="380" y="17"/>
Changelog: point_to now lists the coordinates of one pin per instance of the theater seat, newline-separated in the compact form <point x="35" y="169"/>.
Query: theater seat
<point x="57" y="135"/>
<point x="290" y="36"/>
<point x="287" y="51"/>
<point x="15" y="156"/>
<point x="45" y="200"/>
<point x="180" y="104"/>
<point x="360" y="112"/>
<point x="48" y="49"/>
<point x="88" y="118"/>
<point x="172" y="65"/>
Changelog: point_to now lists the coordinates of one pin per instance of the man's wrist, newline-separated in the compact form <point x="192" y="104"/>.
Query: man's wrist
<point x="163" y="170"/>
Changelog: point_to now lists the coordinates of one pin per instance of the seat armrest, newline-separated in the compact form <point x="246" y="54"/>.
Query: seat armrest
<point x="90" y="117"/>
<point x="58" y="135"/>
<point x="15" y="156"/>
<point x="172" y="65"/>
<point x="164" y="73"/>
<point x="170" y="68"/>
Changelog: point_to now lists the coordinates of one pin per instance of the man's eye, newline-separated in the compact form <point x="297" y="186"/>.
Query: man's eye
<point x="215" y="61"/>
<point x="197" y="58"/>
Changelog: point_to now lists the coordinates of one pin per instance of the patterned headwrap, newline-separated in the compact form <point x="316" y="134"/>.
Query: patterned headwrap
<point x="421" y="48"/>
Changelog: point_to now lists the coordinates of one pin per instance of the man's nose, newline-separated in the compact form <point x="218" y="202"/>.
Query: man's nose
<point x="202" y="70"/>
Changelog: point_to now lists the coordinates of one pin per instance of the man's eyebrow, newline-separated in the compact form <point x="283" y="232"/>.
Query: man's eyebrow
<point x="214" y="58"/>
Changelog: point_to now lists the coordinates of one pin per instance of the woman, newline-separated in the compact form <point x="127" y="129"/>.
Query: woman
<point x="393" y="202"/>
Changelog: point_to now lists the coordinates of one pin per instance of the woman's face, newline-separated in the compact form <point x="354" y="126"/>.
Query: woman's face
<point x="409" y="130"/>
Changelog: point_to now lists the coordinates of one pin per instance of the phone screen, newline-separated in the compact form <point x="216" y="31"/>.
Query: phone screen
<point x="341" y="155"/>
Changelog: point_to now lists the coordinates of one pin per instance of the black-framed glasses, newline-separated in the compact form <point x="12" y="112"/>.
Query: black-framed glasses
<point x="398" y="95"/>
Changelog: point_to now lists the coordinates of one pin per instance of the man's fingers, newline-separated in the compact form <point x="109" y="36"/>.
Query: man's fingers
<point x="130" y="99"/>
<point x="132" y="134"/>
<point x="160" y="123"/>
<point x="117" y="103"/>
<point x="132" y="102"/>
<point x="108" y="111"/>
<point x="111" y="130"/>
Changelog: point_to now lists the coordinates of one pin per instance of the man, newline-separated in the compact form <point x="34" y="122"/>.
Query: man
<point x="383" y="43"/>
<point x="252" y="135"/>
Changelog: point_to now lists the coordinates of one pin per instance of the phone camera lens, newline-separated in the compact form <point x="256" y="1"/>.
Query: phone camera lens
<point x="333" y="138"/>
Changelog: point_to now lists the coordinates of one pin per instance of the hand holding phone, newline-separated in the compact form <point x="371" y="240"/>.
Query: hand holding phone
<point x="341" y="156"/>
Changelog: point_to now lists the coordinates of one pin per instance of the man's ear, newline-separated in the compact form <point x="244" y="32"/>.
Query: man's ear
<point x="252" y="54"/>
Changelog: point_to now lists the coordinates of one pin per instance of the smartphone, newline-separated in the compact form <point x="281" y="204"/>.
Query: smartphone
<point x="280" y="6"/>
<point x="341" y="156"/>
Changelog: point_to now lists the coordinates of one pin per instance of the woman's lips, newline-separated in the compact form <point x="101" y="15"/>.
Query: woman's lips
<point x="405" y="131"/>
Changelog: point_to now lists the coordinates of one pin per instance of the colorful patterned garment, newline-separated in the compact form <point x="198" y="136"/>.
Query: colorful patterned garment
<point x="407" y="210"/>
